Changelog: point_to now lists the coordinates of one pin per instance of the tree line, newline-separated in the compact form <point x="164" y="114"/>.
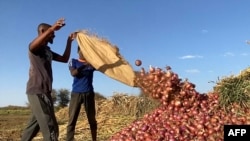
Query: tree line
<point x="61" y="97"/>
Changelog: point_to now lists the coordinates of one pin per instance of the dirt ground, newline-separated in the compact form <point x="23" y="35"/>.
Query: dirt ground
<point x="112" y="115"/>
<point x="11" y="126"/>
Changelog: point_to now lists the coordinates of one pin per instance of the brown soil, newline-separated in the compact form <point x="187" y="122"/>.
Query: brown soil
<point x="11" y="126"/>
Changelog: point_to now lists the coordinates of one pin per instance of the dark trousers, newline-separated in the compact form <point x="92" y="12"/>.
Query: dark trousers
<point x="76" y="101"/>
<point x="42" y="118"/>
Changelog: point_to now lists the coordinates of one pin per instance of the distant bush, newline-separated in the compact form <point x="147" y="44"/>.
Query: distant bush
<point x="99" y="96"/>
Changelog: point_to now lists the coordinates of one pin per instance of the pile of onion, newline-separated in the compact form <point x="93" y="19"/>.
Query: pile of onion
<point x="184" y="114"/>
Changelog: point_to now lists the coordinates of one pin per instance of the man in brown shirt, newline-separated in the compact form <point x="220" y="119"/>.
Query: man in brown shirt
<point x="39" y="85"/>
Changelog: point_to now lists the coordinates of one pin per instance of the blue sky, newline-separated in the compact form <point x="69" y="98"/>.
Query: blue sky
<point x="201" y="40"/>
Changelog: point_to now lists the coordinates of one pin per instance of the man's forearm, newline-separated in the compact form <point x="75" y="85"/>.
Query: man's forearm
<point x="67" y="51"/>
<point x="38" y="41"/>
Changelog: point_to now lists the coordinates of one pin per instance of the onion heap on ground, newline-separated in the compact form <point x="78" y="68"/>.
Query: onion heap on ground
<point x="184" y="113"/>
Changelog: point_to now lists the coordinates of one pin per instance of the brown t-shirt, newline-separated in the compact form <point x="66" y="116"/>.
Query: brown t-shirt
<point x="40" y="72"/>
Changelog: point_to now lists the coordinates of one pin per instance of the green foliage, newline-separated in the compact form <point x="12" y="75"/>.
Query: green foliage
<point x="54" y="95"/>
<point x="234" y="89"/>
<point x="63" y="97"/>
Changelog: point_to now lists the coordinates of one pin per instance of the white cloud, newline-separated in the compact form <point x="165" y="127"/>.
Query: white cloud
<point x="204" y="31"/>
<point x="192" y="71"/>
<point x="229" y="54"/>
<point x="244" y="54"/>
<point x="247" y="42"/>
<point x="191" y="57"/>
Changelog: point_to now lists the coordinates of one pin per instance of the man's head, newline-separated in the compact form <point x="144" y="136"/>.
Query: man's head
<point x="42" y="28"/>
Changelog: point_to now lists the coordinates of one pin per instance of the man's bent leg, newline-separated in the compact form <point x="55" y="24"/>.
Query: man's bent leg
<point x="31" y="130"/>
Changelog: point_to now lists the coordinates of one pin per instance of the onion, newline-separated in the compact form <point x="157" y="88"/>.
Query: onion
<point x="138" y="62"/>
<point x="168" y="74"/>
<point x="151" y="69"/>
<point x="184" y="113"/>
<point x="177" y="103"/>
<point x="156" y="79"/>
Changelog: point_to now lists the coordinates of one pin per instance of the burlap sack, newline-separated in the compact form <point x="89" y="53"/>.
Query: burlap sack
<point x="105" y="57"/>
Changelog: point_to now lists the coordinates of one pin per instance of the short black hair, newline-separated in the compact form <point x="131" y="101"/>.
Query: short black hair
<point x="42" y="25"/>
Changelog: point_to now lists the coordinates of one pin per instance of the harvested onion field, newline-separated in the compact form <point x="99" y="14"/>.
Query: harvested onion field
<point x="170" y="109"/>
